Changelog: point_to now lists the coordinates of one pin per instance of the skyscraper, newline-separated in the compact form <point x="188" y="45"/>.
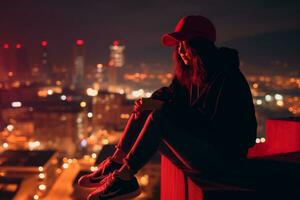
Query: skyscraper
<point x="117" y="58"/>
<point x="7" y="69"/>
<point x="45" y="68"/>
<point x="78" y="65"/>
<point x="23" y="69"/>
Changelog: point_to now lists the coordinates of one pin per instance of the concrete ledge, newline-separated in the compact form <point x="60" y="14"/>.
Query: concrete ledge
<point x="272" y="171"/>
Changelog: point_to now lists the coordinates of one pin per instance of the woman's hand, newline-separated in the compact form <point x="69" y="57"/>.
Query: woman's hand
<point x="143" y="104"/>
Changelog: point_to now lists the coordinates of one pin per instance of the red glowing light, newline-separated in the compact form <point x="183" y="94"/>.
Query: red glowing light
<point x="79" y="42"/>
<point x="116" y="43"/>
<point x="18" y="46"/>
<point x="44" y="43"/>
<point x="6" y="46"/>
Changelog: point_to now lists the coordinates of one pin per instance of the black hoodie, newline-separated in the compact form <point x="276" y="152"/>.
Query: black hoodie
<point x="223" y="113"/>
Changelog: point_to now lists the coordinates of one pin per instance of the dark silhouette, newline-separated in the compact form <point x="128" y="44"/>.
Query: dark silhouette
<point x="204" y="121"/>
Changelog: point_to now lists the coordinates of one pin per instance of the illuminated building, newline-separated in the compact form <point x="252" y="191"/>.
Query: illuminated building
<point x="19" y="127"/>
<point x="117" y="58"/>
<point x="22" y="63"/>
<point x="41" y="114"/>
<point x="27" y="173"/>
<point x="111" y="110"/>
<point x="45" y="65"/>
<point x="100" y="77"/>
<point x="78" y="65"/>
<point x="7" y="70"/>
<point x="60" y="124"/>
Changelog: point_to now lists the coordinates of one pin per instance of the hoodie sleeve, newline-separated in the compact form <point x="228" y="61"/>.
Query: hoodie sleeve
<point x="234" y="118"/>
<point x="165" y="93"/>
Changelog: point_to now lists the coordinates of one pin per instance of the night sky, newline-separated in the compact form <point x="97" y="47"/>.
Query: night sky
<point x="264" y="25"/>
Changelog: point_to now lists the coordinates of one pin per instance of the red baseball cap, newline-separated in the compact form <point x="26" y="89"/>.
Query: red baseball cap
<point x="190" y="27"/>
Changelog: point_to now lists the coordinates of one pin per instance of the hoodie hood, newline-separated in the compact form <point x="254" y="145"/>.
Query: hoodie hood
<point x="229" y="58"/>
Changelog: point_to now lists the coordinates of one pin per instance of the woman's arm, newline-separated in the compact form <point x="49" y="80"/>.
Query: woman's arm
<point x="165" y="93"/>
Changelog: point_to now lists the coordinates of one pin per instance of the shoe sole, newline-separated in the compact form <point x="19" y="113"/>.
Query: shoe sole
<point x="128" y="195"/>
<point x="90" y="184"/>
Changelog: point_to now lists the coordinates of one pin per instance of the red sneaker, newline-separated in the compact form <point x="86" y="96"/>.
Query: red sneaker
<point x="93" y="180"/>
<point x="115" y="188"/>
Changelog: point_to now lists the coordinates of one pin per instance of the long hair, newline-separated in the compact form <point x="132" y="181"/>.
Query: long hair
<point x="203" y="54"/>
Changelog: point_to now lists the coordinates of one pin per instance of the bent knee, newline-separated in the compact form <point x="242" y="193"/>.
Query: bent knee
<point x="157" y="115"/>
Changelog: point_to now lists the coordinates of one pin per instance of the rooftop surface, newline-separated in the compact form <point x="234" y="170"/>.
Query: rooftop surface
<point x="25" y="158"/>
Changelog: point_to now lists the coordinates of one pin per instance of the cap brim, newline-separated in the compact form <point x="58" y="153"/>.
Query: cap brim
<point x="171" y="39"/>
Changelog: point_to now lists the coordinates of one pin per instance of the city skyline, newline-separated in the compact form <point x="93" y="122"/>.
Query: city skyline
<point x="269" y="28"/>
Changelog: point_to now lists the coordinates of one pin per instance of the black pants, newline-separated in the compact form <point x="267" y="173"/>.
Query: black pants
<point x="153" y="131"/>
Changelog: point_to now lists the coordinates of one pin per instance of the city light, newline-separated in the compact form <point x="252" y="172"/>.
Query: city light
<point x="83" y="104"/>
<point x="86" y="157"/>
<point x="42" y="175"/>
<point x="44" y="43"/>
<point x="65" y="165"/>
<point x="90" y="114"/>
<point x="83" y="143"/>
<point x="42" y="93"/>
<point x="278" y="97"/>
<point x="121" y="91"/>
<point x="79" y="42"/>
<point x="50" y="92"/>
<point x="116" y="43"/>
<point x="94" y="155"/>
<point x="36" y="197"/>
<point x="79" y="120"/>
<point x="41" y="168"/>
<point x="138" y="93"/>
<point x="18" y="46"/>
<point x="259" y="102"/>
<point x="58" y="82"/>
<point x="47" y="91"/>
<point x="5" y="145"/>
<point x="268" y="98"/>
<point x="63" y="97"/>
<point x="280" y="103"/>
<point x="42" y="187"/>
<point x="16" y="104"/>
<point x="257" y="141"/>
<point x="99" y="66"/>
<point x="105" y="141"/>
<point x="91" y="92"/>
<point x="148" y="94"/>
<point x="94" y="168"/>
<point x="262" y="140"/>
<point x="10" y="74"/>
<point x="58" y="171"/>
<point x="16" y="84"/>
<point x="10" y="127"/>
<point x="6" y="46"/>
<point x="65" y="159"/>
<point x="124" y="116"/>
<point x="144" y="180"/>
<point x="33" y="145"/>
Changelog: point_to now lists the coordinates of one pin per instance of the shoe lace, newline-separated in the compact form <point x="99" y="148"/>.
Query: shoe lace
<point x="103" y="165"/>
<point x="108" y="181"/>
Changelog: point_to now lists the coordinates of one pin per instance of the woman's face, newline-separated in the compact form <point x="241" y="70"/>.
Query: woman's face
<point x="184" y="52"/>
